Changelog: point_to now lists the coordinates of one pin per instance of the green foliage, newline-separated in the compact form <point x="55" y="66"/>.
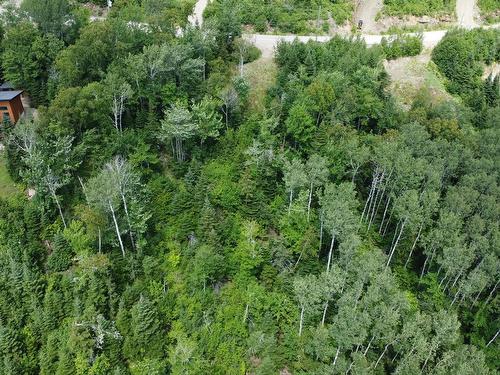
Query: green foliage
<point x="61" y="257"/>
<point x="297" y="16"/>
<point x="402" y="46"/>
<point x="418" y="7"/>
<point x="27" y="59"/>
<point x="178" y="229"/>
<point x="461" y="56"/>
<point x="488" y="9"/>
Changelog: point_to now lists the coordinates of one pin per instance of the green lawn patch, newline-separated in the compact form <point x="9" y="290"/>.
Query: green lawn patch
<point x="7" y="186"/>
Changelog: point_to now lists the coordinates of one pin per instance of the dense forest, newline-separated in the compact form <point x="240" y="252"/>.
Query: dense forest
<point x="175" y="229"/>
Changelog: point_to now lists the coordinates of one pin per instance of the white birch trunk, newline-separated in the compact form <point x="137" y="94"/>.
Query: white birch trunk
<point x="383" y="217"/>
<point x="59" y="208"/>
<point x="396" y="244"/>
<point x="336" y="356"/>
<point x="324" y="314"/>
<point x="309" y="202"/>
<point x="414" y="244"/>
<point x="493" y="339"/>
<point x="117" y="229"/>
<point x="301" y="320"/>
<point x="330" y="252"/>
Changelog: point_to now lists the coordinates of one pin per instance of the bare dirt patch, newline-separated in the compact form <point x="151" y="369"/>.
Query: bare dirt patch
<point x="411" y="74"/>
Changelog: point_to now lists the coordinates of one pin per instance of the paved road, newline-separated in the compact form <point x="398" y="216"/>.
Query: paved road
<point x="367" y="10"/>
<point x="466" y="11"/>
<point x="267" y="43"/>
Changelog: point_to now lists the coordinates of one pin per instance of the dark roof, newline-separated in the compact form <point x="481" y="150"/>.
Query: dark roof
<point x="6" y="86"/>
<point x="9" y="95"/>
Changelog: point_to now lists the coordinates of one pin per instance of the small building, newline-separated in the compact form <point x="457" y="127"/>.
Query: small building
<point x="11" y="106"/>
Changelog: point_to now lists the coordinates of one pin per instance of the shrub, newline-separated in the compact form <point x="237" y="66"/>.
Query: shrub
<point x="403" y="45"/>
<point x="418" y="7"/>
<point x="461" y="54"/>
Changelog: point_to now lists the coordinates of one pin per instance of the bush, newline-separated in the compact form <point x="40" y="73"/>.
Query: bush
<point x="418" y="7"/>
<point x="293" y="16"/>
<point x="460" y="57"/>
<point x="403" y="45"/>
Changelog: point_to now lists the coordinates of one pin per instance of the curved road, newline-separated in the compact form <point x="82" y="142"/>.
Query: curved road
<point x="267" y="43"/>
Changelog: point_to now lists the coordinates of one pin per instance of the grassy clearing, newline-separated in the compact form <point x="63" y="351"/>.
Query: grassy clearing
<point x="410" y="74"/>
<point x="7" y="186"/>
<point x="261" y="75"/>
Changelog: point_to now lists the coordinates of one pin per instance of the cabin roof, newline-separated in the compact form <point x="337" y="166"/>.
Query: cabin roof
<point x="9" y="95"/>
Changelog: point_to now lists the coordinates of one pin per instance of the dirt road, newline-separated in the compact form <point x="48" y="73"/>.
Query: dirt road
<point x="466" y="12"/>
<point x="197" y="16"/>
<point x="366" y="10"/>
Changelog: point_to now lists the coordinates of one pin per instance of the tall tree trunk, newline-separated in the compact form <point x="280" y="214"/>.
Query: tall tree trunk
<point x="478" y="294"/>
<point x="336" y="356"/>
<point x="309" y="202"/>
<point x="324" y="314"/>
<point x="426" y="360"/>
<point x="376" y="201"/>
<point x="301" y="320"/>
<point x="414" y="244"/>
<point x="117" y="229"/>
<point x="371" y="196"/>
<point x="125" y="208"/>
<point x="388" y="220"/>
<point x="59" y="208"/>
<point x="456" y="295"/>
<point x="396" y="244"/>
<point x="491" y="293"/>
<point x="368" y="347"/>
<point x="245" y="315"/>
<point x="99" y="239"/>
<point x="290" y="201"/>
<point x="427" y="261"/>
<point x="443" y="279"/>
<point x="381" y="355"/>
<point x="493" y="339"/>
<point x="320" y="233"/>
<point x="330" y="253"/>
<point x="383" y="217"/>
<point x="368" y="200"/>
